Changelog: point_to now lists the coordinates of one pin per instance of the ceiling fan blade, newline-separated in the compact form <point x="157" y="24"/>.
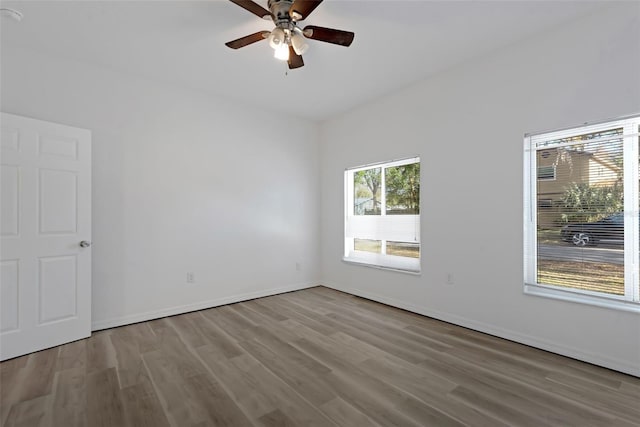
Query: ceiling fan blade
<point x="252" y="7"/>
<point x="329" y="35"/>
<point x="247" y="40"/>
<point x="303" y="8"/>
<point x="295" y="60"/>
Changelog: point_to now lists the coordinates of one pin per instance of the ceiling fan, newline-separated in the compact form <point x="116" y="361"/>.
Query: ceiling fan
<point x="286" y="38"/>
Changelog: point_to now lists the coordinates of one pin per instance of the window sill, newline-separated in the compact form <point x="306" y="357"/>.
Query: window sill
<point x="543" y="291"/>
<point x="381" y="267"/>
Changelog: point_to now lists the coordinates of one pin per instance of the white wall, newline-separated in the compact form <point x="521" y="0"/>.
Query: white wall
<point x="467" y="125"/>
<point x="181" y="182"/>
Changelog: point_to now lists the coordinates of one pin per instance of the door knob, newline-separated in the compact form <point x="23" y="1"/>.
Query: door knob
<point x="85" y="244"/>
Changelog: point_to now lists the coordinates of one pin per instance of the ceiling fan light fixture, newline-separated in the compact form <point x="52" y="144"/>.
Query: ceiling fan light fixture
<point x="282" y="52"/>
<point x="287" y="40"/>
<point x="299" y="44"/>
<point x="276" y="38"/>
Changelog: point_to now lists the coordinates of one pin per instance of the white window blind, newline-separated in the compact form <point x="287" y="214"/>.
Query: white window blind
<point x="382" y="215"/>
<point x="582" y="228"/>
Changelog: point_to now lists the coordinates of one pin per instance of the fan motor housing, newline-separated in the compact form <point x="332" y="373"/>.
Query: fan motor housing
<point x="280" y="12"/>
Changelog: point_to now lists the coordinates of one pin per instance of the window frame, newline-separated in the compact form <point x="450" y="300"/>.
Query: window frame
<point x="535" y="142"/>
<point x="409" y="265"/>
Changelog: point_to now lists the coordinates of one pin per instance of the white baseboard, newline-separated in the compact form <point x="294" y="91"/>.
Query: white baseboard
<point x="201" y="305"/>
<point x="574" y="353"/>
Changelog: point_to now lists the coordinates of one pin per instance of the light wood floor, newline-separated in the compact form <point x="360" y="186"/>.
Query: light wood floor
<point x="315" y="357"/>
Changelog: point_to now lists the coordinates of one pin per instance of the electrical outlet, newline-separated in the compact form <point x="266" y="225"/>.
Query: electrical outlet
<point x="191" y="278"/>
<point x="449" y="278"/>
<point x="298" y="266"/>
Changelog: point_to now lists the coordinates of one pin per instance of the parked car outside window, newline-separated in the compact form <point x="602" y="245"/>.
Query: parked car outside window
<point x="591" y="233"/>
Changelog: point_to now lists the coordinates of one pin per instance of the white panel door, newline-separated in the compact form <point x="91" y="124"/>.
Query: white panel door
<point x="45" y="214"/>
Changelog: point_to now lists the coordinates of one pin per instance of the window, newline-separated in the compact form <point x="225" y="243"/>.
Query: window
<point x="582" y="228"/>
<point x="545" y="203"/>
<point x="547" y="172"/>
<point x="382" y="218"/>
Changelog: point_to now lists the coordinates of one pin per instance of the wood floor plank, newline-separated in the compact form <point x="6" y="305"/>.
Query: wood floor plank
<point x="129" y="364"/>
<point x="538" y="376"/>
<point x="100" y="352"/>
<point x="140" y="333"/>
<point x="216" y="406"/>
<point x="72" y="355"/>
<point x="10" y="384"/>
<point x="175" y="358"/>
<point x="161" y="328"/>
<point x="351" y="383"/>
<point x="298" y="377"/>
<point x="69" y="407"/>
<point x="465" y="341"/>
<point x="38" y="374"/>
<point x="172" y="365"/>
<point x="421" y="384"/>
<point x="188" y="327"/>
<point x="346" y="415"/>
<point x="220" y="341"/>
<point x="276" y="419"/>
<point x="104" y="400"/>
<point x="229" y="320"/>
<point x="34" y="412"/>
<point x="371" y="401"/>
<point x="496" y="409"/>
<point x="474" y="376"/>
<point x="12" y="365"/>
<point x="392" y="332"/>
<point x="142" y="406"/>
<point x="404" y="316"/>
<point x="588" y="370"/>
<point x="312" y="320"/>
<point x="624" y="406"/>
<point x="598" y="378"/>
<point x="242" y="386"/>
<point x="308" y="302"/>
<point x="365" y="349"/>
<point x="245" y="310"/>
<point x="411" y="352"/>
<point x="498" y="361"/>
<point x="171" y="372"/>
<point x="289" y="353"/>
<point x="316" y="357"/>
<point x="631" y="388"/>
<point x="264" y="310"/>
<point x="534" y="404"/>
<point x="260" y="392"/>
<point x="345" y="352"/>
<point x="171" y="393"/>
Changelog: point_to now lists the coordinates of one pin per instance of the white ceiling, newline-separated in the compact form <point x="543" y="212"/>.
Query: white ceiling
<point x="182" y="42"/>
